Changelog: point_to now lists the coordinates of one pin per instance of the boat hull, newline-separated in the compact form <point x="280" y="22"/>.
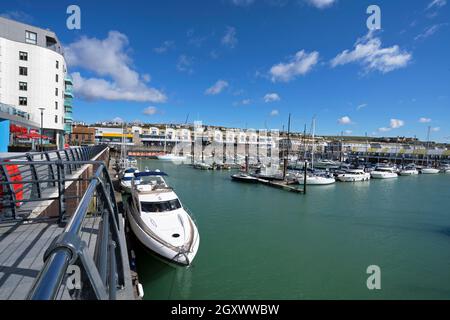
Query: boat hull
<point x="383" y="175"/>
<point x="166" y="254"/>
<point x="409" y="172"/>
<point x="429" y="171"/>
<point x="245" y="179"/>
<point x="353" y="178"/>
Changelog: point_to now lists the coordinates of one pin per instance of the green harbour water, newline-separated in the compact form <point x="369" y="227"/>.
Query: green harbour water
<point x="258" y="242"/>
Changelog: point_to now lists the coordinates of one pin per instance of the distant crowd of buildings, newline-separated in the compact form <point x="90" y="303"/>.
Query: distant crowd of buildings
<point x="165" y="137"/>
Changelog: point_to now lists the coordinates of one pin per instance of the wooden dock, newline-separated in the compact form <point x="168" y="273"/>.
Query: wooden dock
<point x="283" y="185"/>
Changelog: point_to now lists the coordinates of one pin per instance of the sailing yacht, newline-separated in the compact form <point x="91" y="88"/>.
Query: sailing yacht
<point x="160" y="222"/>
<point x="429" y="169"/>
<point x="314" y="178"/>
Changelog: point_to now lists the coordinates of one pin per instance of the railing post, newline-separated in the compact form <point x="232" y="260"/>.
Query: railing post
<point x="61" y="192"/>
<point x="10" y="188"/>
<point x="36" y="184"/>
<point x="50" y="169"/>
<point x="69" y="167"/>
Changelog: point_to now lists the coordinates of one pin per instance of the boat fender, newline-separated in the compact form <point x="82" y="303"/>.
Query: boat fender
<point x="140" y="289"/>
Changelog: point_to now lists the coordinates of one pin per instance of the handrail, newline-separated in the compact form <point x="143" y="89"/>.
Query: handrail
<point x="68" y="248"/>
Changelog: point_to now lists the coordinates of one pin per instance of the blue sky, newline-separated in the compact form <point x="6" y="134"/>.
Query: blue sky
<point x="249" y="63"/>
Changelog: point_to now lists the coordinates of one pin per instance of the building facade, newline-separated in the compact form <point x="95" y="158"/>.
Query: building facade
<point x="68" y="104"/>
<point x="32" y="76"/>
<point x="82" y="135"/>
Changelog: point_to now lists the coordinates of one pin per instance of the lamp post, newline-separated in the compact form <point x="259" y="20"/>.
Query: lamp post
<point x="42" y="124"/>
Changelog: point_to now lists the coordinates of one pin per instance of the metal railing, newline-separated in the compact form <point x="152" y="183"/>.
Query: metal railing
<point x="33" y="177"/>
<point x="102" y="273"/>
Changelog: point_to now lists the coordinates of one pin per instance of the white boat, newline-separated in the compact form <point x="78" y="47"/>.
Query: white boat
<point x="326" y="164"/>
<point x="429" y="170"/>
<point x="127" y="178"/>
<point x="171" y="157"/>
<point x="384" y="173"/>
<point x="318" y="180"/>
<point x="409" y="171"/>
<point x="354" y="175"/>
<point x="445" y="168"/>
<point x="160" y="222"/>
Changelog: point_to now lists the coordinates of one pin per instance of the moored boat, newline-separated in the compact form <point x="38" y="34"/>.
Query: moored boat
<point x="160" y="222"/>
<point x="382" y="172"/>
<point x="354" y="175"/>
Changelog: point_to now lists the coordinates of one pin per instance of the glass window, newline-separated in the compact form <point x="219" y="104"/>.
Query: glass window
<point x="23" y="56"/>
<point x="56" y="105"/>
<point x="163" y="206"/>
<point x="23" y="86"/>
<point x="56" y="91"/>
<point x="23" y="71"/>
<point x="56" y="78"/>
<point x="56" y="119"/>
<point x="57" y="64"/>
<point x="30" y="37"/>
<point x="23" y="101"/>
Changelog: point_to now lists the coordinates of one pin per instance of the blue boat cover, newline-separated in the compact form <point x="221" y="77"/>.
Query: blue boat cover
<point x="150" y="173"/>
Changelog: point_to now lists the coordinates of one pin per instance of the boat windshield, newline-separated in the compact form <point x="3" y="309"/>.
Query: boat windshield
<point x="162" y="206"/>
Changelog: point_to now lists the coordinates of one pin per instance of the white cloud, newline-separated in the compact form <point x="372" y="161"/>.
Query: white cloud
<point x="217" y="88"/>
<point x="298" y="65"/>
<point x="321" y="4"/>
<point x="393" y="124"/>
<point x="229" y="39"/>
<point x="429" y="31"/>
<point x="242" y="3"/>
<point x="436" y="4"/>
<point x="345" y="120"/>
<point x="165" y="46"/>
<point x="271" y="97"/>
<point x="424" y="120"/>
<point x="368" y="51"/>
<point x="348" y="132"/>
<point x="436" y="129"/>
<point x="96" y="88"/>
<point x="184" y="63"/>
<point x="108" y="58"/>
<point x="118" y="120"/>
<point x="242" y="102"/>
<point x="274" y="113"/>
<point x="150" y="111"/>
<point x="361" y="106"/>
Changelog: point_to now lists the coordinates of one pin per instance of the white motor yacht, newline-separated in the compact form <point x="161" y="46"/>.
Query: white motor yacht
<point x="429" y="170"/>
<point x="384" y="173"/>
<point x="409" y="171"/>
<point x="127" y="177"/>
<point x="160" y="222"/>
<point x="354" y="175"/>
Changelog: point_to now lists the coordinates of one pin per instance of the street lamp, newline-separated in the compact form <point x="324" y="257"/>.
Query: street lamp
<point x="42" y="124"/>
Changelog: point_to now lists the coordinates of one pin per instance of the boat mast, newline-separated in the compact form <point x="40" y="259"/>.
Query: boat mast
<point x="313" y="142"/>
<point x="428" y="146"/>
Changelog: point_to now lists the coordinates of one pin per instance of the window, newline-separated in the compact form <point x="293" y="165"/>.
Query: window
<point x="57" y="78"/>
<point x="57" y="64"/>
<point x="56" y="119"/>
<point x="56" y="105"/>
<point x="23" y="71"/>
<point x="30" y="37"/>
<point x="23" y="56"/>
<point x="56" y="91"/>
<point x="23" y="101"/>
<point x="23" y="86"/>
<point x="160" y="206"/>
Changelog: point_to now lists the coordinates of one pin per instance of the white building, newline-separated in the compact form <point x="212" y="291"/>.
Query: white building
<point x="32" y="73"/>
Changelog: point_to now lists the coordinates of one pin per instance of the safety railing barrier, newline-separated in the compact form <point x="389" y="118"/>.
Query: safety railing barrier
<point x="102" y="273"/>
<point x="41" y="176"/>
